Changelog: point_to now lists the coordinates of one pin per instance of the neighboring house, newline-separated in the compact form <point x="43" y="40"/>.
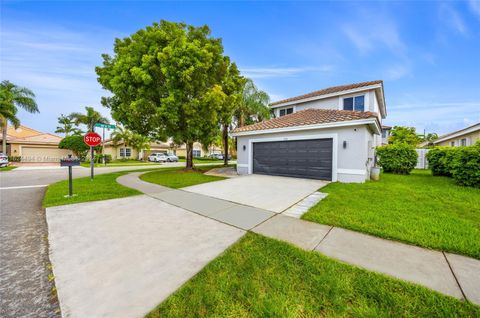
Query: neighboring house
<point x="463" y="137"/>
<point x="122" y="151"/>
<point x="330" y="134"/>
<point x="386" y="133"/>
<point x="33" y="145"/>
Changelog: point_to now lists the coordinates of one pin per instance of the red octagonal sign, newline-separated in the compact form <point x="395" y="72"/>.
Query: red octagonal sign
<point x="92" y="139"/>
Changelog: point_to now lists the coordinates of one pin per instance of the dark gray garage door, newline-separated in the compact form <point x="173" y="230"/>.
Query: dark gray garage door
<point x="295" y="158"/>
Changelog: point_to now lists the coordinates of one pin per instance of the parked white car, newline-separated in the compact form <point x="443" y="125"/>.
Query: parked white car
<point x="172" y="158"/>
<point x="3" y="160"/>
<point x="158" y="157"/>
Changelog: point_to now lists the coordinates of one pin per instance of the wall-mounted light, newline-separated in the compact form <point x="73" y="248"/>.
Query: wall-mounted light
<point x="344" y="144"/>
<point x="244" y="147"/>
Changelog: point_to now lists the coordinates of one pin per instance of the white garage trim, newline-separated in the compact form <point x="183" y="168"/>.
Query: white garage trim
<point x="242" y="165"/>
<point x="334" y="138"/>
<point x="352" y="171"/>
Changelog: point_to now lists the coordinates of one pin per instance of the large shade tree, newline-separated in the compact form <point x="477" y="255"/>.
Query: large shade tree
<point x="166" y="81"/>
<point x="13" y="97"/>
<point x="404" y="135"/>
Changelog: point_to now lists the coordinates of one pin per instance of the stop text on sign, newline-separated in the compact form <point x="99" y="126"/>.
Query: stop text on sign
<point x="92" y="139"/>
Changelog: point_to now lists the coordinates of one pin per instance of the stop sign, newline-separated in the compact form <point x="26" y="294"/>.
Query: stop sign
<point x="92" y="139"/>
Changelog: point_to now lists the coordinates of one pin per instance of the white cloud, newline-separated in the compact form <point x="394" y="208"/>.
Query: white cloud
<point x="269" y="72"/>
<point x="475" y="7"/>
<point x="433" y="116"/>
<point x="57" y="64"/>
<point x="396" y="72"/>
<point x="373" y="32"/>
<point x="452" y="19"/>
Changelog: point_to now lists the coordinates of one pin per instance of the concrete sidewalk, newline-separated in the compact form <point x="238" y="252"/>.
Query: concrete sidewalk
<point x="450" y="274"/>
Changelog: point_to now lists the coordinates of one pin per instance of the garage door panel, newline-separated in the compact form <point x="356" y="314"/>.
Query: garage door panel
<point x="296" y="158"/>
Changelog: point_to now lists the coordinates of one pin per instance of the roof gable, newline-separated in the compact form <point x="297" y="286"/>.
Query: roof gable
<point x="309" y="117"/>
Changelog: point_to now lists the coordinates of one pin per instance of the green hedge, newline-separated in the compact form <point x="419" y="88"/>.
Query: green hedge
<point x="397" y="158"/>
<point x="14" y="158"/>
<point x="98" y="158"/>
<point x="437" y="160"/>
<point x="461" y="163"/>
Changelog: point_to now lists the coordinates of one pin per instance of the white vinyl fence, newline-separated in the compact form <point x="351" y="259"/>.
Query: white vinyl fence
<point x="422" y="162"/>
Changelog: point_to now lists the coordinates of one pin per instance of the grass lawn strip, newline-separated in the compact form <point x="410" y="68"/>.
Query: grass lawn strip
<point x="262" y="277"/>
<point x="8" y="168"/>
<point x="180" y="178"/>
<point x="105" y="186"/>
<point x="419" y="209"/>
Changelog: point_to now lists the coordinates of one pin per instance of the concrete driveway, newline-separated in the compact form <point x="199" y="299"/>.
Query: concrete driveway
<point x="122" y="257"/>
<point x="270" y="193"/>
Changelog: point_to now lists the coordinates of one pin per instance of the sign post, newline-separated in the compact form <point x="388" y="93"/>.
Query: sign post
<point x="92" y="139"/>
<point x="103" y="126"/>
<point x="70" y="162"/>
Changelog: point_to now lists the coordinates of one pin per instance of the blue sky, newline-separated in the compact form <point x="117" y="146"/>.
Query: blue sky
<point x="428" y="53"/>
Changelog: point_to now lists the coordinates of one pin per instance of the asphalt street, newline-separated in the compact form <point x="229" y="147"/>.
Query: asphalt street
<point x="25" y="290"/>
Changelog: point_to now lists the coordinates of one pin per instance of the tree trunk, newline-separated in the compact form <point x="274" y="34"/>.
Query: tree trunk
<point x="4" y="137"/>
<point x="225" y="145"/>
<point x="241" y="121"/>
<point x="189" y="157"/>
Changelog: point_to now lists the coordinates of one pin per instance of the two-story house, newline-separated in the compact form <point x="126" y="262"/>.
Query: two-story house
<point x="329" y="134"/>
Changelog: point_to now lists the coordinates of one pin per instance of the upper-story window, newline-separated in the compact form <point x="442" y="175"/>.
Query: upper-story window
<point x="463" y="142"/>
<point x="356" y="103"/>
<point x="285" y="111"/>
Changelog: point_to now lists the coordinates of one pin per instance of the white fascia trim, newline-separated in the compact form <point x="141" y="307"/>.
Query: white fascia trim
<point x="350" y="91"/>
<point x="352" y="171"/>
<point x="458" y="134"/>
<point x="334" y="138"/>
<point x="368" y="121"/>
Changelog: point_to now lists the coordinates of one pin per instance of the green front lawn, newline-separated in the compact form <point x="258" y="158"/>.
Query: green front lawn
<point x="419" y="209"/>
<point x="119" y="163"/>
<point x="203" y="160"/>
<point x="180" y="178"/>
<point x="261" y="277"/>
<point x="103" y="187"/>
<point x="7" y="168"/>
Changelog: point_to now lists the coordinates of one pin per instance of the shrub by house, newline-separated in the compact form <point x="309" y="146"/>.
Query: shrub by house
<point x="397" y="158"/>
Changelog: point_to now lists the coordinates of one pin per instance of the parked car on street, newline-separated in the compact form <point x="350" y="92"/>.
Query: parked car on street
<point x="172" y="158"/>
<point x="218" y="156"/>
<point x="158" y="157"/>
<point x="3" y="160"/>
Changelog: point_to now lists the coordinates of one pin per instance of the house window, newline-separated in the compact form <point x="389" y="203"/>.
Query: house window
<point x="463" y="142"/>
<point x="384" y="134"/>
<point x="452" y="143"/>
<point x="125" y="152"/>
<point x="286" y="111"/>
<point x="197" y="153"/>
<point x="356" y="103"/>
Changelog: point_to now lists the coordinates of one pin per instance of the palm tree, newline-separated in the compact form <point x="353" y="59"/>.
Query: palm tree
<point x="120" y="135"/>
<point x="140" y="143"/>
<point x="90" y="118"/>
<point x="67" y="126"/>
<point x="13" y="97"/>
<point x="254" y="103"/>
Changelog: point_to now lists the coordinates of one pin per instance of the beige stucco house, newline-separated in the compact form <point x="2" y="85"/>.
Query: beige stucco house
<point x="463" y="137"/>
<point x="122" y="151"/>
<point x="33" y="145"/>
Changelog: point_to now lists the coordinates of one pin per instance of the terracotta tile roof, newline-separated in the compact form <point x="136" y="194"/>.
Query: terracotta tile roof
<point x="308" y="117"/>
<point x="328" y="90"/>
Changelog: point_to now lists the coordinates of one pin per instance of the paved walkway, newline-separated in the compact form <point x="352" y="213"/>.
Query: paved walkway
<point x="122" y="257"/>
<point x="450" y="274"/>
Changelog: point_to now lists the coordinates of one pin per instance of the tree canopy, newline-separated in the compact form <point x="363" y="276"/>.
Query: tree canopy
<point x="76" y="144"/>
<point x="67" y="126"/>
<point x="167" y="81"/>
<point x="404" y="135"/>
<point x="90" y="118"/>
